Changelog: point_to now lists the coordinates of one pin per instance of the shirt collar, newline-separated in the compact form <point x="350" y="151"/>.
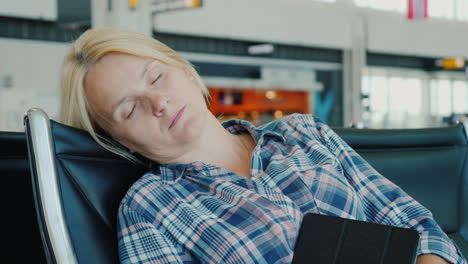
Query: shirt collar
<point x="238" y="126"/>
<point x="171" y="172"/>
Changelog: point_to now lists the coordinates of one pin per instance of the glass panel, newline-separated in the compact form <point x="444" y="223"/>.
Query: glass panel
<point x="365" y="85"/>
<point x="381" y="4"/>
<point x="362" y="3"/>
<point x="449" y="9"/>
<point x="462" y="10"/>
<point x="460" y="97"/>
<point x="405" y="102"/>
<point x="394" y="5"/>
<point x="434" y="97"/>
<point x="441" y="8"/>
<point x="378" y="94"/>
<point x="413" y="88"/>
<point x="398" y="98"/>
<point x="400" y="5"/>
<point x="444" y="96"/>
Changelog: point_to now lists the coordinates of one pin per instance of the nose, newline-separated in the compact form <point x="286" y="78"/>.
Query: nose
<point x="159" y="104"/>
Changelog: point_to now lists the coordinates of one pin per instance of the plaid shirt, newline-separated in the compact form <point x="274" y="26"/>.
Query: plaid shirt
<point x="201" y="213"/>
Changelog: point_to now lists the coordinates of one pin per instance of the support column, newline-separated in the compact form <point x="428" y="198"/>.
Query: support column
<point x="426" y="101"/>
<point x="133" y="15"/>
<point x="354" y="61"/>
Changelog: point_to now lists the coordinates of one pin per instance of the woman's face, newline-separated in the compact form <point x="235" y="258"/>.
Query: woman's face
<point x="147" y="106"/>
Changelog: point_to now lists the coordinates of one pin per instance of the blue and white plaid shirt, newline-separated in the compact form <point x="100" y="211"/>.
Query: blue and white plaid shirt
<point x="201" y="213"/>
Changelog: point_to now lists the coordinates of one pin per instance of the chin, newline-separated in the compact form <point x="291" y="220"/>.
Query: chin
<point x="193" y="127"/>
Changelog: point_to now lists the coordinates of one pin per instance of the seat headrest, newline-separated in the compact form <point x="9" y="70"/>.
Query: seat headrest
<point x="404" y="138"/>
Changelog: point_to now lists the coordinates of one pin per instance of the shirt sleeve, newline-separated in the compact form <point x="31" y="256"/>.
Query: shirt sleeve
<point x="384" y="201"/>
<point x="140" y="242"/>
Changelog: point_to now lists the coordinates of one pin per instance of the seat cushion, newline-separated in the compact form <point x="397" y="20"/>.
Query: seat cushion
<point x="92" y="183"/>
<point x="21" y="228"/>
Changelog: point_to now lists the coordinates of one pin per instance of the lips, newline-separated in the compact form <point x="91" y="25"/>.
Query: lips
<point x="177" y="117"/>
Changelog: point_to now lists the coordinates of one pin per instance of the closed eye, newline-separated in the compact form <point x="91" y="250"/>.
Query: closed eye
<point x="131" y="111"/>
<point x="157" y="78"/>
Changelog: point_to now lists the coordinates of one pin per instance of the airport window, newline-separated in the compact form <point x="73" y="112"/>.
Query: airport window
<point x="378" y="94"/>
<point x="362" y="3"/>
<point x="393" y="98"/>
<point x="441" y="94"/>
<point x="441" y="9"/>
<point x="405" y="95"/>
<point x="395" y="5"/>
<point x="400" y="98"/>
<point x="448" y="96"/>
<point x="448" y="9"/>
<point x="462" y="10"/>
<point x="460" y="97"/>
<point x="375" y="99"/>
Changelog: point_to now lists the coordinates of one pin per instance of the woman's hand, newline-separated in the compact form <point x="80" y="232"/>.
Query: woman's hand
<point x="431" y="259"/>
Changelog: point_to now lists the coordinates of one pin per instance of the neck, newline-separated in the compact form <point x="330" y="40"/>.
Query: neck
<point x="219" y="147"/>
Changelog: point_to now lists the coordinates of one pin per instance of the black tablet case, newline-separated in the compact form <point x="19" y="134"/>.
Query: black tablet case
<point x="334" y="240"/>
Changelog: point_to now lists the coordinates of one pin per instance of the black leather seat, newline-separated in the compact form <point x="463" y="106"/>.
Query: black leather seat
<point x="431" y="165"/>
<point x="20" y="231"/>
<point x="91" y="181"/>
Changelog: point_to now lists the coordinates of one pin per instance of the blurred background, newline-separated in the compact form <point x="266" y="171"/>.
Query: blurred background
<point x="361" y="63"/>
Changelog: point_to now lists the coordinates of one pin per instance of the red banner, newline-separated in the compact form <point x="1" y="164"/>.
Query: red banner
<point x="417" y="9"/>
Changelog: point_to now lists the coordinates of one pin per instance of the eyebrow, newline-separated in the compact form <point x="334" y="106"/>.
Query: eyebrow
<point x="145" y="70"/>
<point x="143" y="73"/>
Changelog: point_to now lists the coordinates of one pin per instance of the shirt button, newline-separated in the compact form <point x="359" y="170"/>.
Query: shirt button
<point x="258" y="175"/>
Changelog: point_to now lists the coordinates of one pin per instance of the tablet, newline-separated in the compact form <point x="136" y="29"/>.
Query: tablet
<point x="333" y="240"/>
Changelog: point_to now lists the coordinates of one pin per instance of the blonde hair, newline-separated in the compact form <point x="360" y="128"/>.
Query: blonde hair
<point x="86" y="51"/>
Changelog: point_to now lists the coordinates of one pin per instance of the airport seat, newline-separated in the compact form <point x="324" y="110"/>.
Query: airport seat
<point x="78" y="185"/>
<point x="20" y="231"/>
<point x="429" y="164"/>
